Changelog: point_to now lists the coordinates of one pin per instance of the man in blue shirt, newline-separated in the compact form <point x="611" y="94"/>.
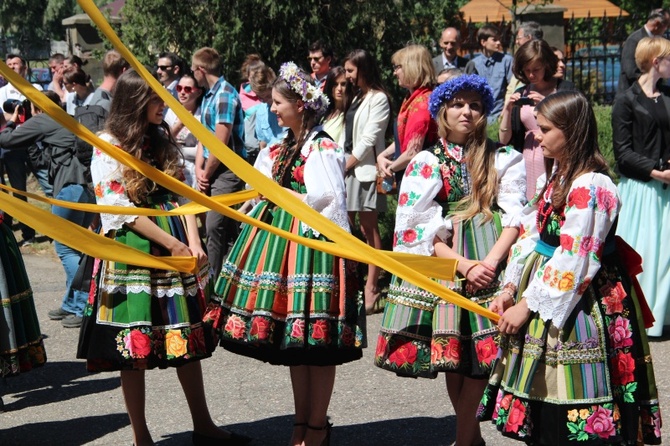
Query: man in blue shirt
<point x="493" y="65"/>
<point x="222" y="114"/>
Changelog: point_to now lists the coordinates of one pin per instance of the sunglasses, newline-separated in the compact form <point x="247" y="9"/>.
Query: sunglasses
<point x="186" y="89"/>
<point x="165" y="67"/>
<point x="315" y="59"/>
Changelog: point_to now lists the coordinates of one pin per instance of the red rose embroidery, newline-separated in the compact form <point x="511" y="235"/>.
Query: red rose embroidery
<point x="506" y="401"/>
<point x="348" y="337"/>
<point x="320" y="330"/>
<point x="452" y="351"/>
<point x="584" y="285"/>
<point x="235" y="327"/>
<point x="517" y="414"/>
<point x="381" y="346"/>
<point x="613" y="297"/>
<point x="260" y="328"/>
<point x="405" y="353"/>
<point x="436" y="352"/>
<point x="297" y="329"/>
<point x="588" y="244"/>
<point x="426" y="171"/>
<point x="403" y="199"/>
<point x="623" y="366"/>
<point x="138" y="344"/>
<point x="567" y="242"/>
<point x="600" y="423"/>
<point x="409" y="236"/>
<point x="299" y="174"/>
<point x="196" y="342"/>
<point x="409" y="169"/>
<point x="486" y="350"/>
<point x="579" y="197"/>
<point x="607" y="201"/>
<point x="115" y="186"/>
<point x="212" y="315"/>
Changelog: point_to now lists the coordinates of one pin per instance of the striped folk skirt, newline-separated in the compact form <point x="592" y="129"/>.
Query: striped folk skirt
<point x="21" y="344"/>
<point x="591" y="382"/>
<point x="284" y="303"/>
<point x="142" y="318"/>
<point x="422" y="335"/>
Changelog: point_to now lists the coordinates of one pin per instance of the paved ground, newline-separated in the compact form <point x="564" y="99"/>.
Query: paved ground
<point x="61" y="404"/>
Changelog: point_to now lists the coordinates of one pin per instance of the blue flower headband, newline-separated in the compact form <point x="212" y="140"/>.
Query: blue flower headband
<point x="466" y="82"/>
<point x="311" y="96"/>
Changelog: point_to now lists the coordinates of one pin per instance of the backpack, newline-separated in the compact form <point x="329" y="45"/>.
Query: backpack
<point x="92" y="117"/>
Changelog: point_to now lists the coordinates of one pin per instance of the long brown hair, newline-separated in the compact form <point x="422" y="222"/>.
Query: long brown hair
<point x="128" y="123"/>
<point x="572" y="114"/>
<point x="480" y="161"/>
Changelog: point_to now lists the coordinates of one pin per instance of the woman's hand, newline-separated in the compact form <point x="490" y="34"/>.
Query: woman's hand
<point x="180" y="249"/>
<point x="535" y="96"/>
<point x="512" y="101"/>
<point x="200" y="254"/>
<point x="502" y="302"/>
<point x="478" y="275"/>
<point x="383" y="165"/>
<point x="661" y="175"/>
<point x="513" y="318"/>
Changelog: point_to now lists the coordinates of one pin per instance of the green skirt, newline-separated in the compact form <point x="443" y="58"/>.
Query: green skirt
<point x="422" y="335"/>
<point x="284" y="303"/>
<point x="21" y="344"/>
<point x="143" y="318"/>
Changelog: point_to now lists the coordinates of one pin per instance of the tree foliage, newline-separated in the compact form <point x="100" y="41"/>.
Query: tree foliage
<point x="281" y="31"/>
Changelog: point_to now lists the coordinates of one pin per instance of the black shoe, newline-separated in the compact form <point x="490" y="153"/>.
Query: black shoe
<point x="328" y="428"/>
<point x="27" y="242"/>
<point x="58" y="314"/>
<point x="72" y="321"/>
<point x="233" y="440"/>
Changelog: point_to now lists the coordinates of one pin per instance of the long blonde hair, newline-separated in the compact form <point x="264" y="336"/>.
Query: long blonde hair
<point x="480" y="161"/>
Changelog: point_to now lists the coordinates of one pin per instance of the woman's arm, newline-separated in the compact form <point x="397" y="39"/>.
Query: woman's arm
<point x="590" y="211"/>
<point x="144" y="226"/>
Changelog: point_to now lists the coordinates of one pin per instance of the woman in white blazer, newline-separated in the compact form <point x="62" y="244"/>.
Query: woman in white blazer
<point x="366" y="120"/>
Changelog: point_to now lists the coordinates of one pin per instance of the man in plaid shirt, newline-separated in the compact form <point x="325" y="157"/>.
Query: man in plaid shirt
<point x="222" y="114"/>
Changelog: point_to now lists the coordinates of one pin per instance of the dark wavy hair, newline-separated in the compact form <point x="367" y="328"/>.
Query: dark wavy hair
<point x="128" y="123"/>
<point x="333" y="74"/>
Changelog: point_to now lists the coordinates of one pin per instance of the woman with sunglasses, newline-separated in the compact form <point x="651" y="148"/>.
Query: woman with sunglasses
<point x="78" y="91"/>
<point x="190" y="95"/>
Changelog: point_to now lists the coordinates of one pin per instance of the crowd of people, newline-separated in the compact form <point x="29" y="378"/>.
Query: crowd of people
<point x="542" y="235"/>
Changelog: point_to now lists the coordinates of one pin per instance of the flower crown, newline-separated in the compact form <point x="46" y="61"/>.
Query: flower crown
<point x="466" y="82"/>
<point x="312" y="96"/>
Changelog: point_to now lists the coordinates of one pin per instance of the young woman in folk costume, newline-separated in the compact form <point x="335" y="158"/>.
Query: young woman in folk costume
<point x="282" y="302"/>
<point x="142" y="318"/>
<point x="458" y="200"/>
<point x="574" y="366"/>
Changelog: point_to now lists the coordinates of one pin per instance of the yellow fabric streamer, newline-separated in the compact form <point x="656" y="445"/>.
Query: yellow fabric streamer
<point x="87" y="241"/>
<point x="345" y="241"/>
<point x="187" y="209"/>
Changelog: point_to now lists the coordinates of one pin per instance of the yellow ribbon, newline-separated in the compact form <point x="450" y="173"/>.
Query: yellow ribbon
<point x="354" y="248"/>
<point x="89" y="242"/>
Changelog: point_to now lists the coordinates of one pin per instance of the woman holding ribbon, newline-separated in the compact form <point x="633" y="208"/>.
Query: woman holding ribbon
<point x="459" y="200"/>
<point x="141" y="318"/>
<point x="282" y="302"/>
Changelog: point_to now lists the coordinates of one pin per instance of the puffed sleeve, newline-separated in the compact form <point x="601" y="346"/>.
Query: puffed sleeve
<point x="512" y="185"/>
<point x="109" y="187"/>
<point x="591" y="209"/>
<point x="324" y="181"/>
<point x="418" y="218"/>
